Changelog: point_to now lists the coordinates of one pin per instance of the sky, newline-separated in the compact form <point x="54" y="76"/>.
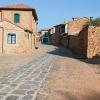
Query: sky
<point x="52" y="12"/>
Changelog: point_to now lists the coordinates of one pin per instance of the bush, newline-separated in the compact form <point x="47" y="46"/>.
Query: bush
<point x="94" y="22"/>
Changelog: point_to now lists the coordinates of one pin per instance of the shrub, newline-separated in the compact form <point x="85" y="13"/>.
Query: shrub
<point x="94" y="22"/>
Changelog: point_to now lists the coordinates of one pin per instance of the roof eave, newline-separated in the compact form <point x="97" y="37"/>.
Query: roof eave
<point x="25" y="9"/>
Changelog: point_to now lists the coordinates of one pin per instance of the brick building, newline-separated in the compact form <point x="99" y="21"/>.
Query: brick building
<point x="18" y="24"/>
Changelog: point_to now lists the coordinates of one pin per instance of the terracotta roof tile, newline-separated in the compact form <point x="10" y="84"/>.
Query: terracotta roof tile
<point x="17" y="6"/>
<point x="20" y="6"/>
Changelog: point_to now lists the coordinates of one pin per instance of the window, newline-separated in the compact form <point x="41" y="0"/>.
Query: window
<point x="16" y="18"/>
<point x="46" y="34"/>
<point x="11" y="38"/>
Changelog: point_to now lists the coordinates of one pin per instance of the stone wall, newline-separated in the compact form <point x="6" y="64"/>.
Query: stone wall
<point x="52" y="39"/>
<point x="75" y="26"/>
<point x="93" y="48"/>
<point x="87" y="42"/>
<point x="64" y="41"/>
<point x="79" y="42"/>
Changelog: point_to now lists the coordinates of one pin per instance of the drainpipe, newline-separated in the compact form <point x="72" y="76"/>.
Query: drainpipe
<point x="2" y="40"/>
<point x="31" y="41"/>
<point x="2" y="34"/>
<point x="34" y="39"/>
<point x="35" y="34"/>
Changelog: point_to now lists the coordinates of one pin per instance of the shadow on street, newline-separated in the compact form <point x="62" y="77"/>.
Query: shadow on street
<point x="65" y="52"/>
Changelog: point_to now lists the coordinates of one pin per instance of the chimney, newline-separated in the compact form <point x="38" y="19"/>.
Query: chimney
<point x="75" y="18"/>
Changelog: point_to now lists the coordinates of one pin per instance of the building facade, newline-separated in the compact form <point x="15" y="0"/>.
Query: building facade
<point x="44" y="34"/>
<point x="18" y="25"/>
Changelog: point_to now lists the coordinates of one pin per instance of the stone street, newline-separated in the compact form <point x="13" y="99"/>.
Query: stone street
<point x="24" y="82"/>
<point x="50" y="73"/>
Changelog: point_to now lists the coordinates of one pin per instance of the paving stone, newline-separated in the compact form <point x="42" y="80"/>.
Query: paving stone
<point x="19" y="92"/>
<point x="30" y="92"/>
<point x="30" y="76"/>
<point x="29" y="82"/>
<point x="12" y="97"/>
<point x="1" y="86"/>
<point x="5" y="82"/>
<point x="24" y="86"/>
<point x="27" y="97"/>
<point x="13" y="85"/>
<point x="1" y="97"/>
<point x="2" y="93"/>
<point x="8" y="89"/>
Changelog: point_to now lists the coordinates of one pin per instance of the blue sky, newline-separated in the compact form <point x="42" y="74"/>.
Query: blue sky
<point x="52" y="12"/>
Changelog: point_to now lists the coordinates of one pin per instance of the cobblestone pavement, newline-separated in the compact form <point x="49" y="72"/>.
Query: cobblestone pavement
<point x="25" y="82"/>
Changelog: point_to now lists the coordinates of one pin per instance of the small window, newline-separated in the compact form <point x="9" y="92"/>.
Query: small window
<point x="16" y="18"/>
<point x="11" y="38"/>
<point x="46" y="34"/>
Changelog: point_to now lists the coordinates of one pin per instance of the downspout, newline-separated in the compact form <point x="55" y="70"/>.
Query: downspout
<point x="2" y="35"/>
<point x="35" y="34"/>
<point x="2" y="39"/>
<point x="31" y="41"/>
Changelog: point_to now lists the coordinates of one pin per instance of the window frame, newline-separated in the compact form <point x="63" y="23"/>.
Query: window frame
<point x="17" y="20"/>
<point x="11" y="37"/>
<point x="46" y="34"/>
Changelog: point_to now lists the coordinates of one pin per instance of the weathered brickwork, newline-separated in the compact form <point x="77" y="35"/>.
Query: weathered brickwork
<point x="93" y="49"/>
<point x="78" y="37"/>
<point x="79" y="43"/>
<point x="76" y="25"/>
<point x="59" y="30"/>
<point x="87" y="42"/>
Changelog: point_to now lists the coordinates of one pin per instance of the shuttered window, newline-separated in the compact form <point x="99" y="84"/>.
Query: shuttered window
<point x="16" y="18"/>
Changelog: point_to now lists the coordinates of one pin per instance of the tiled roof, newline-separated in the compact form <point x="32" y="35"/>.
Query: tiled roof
<point x="46" y="29"/>
<point x="20" y="6"/>
<point x="17" y="6"/>
<point x="58" y="25"/>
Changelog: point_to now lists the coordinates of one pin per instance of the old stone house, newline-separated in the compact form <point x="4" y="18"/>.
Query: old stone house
<point x="18" y="25"/>
<point x="75" y="40"/>
<point x="52" y="36"/>
<point x="59" y="32"/>
<point x="84" y="40"/>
